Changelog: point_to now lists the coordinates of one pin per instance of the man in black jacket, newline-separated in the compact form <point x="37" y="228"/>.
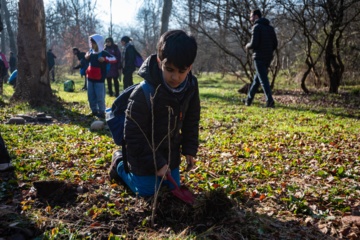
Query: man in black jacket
<point x="263" y="43"/>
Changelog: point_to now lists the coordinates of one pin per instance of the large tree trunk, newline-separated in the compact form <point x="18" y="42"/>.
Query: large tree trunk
<point x="8" y="26"/>
<point x="33" y="83"/>
<point x="165" y="16"/>
<point x="334" y="65"/>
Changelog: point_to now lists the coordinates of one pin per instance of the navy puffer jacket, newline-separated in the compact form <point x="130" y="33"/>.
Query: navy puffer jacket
<point x="179" y="112"/>
<point x="263" y="40"/>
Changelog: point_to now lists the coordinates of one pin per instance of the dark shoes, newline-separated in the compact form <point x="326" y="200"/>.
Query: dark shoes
<point x="116" y="159"/>
<point x="97" y="114"/>
<point x="270" y="104"/>
<point x="246" y="102"/>
<point x="101" y="115"/>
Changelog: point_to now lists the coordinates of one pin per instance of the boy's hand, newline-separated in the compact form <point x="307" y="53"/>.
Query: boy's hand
<point x="163" y="171"/>
<point x="101" y="59"/>
<point x="87" y="55"/>
<point x="190" y="160"/>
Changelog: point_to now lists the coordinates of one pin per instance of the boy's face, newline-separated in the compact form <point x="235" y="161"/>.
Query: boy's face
<point x="172" y="75"/>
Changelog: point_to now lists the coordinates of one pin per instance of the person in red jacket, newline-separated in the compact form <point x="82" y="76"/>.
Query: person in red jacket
<point x="96" y="74"/>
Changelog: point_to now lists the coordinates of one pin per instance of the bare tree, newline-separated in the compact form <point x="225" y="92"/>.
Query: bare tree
<point x="165" y="16"/>
<point x="340" y="14"/>
<point x="226" y="24"/>
<point x="307" y="19"/>
<point x="33" y="84"/>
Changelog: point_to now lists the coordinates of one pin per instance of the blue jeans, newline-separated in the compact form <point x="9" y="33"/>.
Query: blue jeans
<point x="96" y="96"/>
<point x="145" y="185"/>
<point x="260" y="77"/>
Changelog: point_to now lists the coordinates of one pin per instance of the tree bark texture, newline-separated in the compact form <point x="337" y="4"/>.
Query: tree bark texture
<point x="33" y="84"/>
<point x="165" y="16"/>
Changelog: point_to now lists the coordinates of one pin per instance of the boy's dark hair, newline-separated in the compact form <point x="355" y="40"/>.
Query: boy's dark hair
<point x="256" y="12"/>
<point x="75" y="49"/>
<point x="178" y="48"/>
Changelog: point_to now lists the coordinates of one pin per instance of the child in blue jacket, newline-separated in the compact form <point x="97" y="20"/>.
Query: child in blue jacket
<point x="96" y="74"/>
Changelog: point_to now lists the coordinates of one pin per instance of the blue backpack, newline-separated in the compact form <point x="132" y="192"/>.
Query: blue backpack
<point x="138" y="59"/>
<point x="118" y="108"/>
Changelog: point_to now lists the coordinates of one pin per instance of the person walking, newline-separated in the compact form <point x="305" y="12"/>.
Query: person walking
<point x="83" y="64"/>
<point x="263" y="43"/>
<point x="51" y="64"/>
<point x="128" y="56"/>
<point x="115" y="68"/>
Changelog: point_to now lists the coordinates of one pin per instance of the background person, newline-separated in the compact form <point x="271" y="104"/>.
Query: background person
<point x="113" y="73"/>
<point x="51" y="64"/>
<point x="83" y="64"/>
<point x="96" y="73"/>
<point x="128" y="56"/>
<point x="263" y="43"/>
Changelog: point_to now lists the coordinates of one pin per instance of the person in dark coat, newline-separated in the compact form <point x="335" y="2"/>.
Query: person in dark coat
<point x="176" y="106"/>
<point x="128" y="56"/>
<point x="83" y="64"/>
<point x="263" y="43"/>
<point x="113" y="73"/>
<point x="51" y="64"/>
<point x="12" y="62"/>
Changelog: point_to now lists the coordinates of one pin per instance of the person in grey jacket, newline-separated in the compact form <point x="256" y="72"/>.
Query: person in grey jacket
<point x="263" y="44"/>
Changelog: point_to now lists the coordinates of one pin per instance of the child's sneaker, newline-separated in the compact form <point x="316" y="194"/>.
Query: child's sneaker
<point x="116" y="159"/>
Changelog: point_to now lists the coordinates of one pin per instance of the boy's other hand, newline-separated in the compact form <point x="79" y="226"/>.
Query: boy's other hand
<point x="190" y="160"/>
<point x="101" y="59"/>
<point x="163" y="171"/>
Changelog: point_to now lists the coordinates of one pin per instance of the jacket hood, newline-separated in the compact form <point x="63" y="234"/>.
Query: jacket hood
<point x="99" y="41"/>
<point x="150" y="71"/>
<point x="264" y="21"/>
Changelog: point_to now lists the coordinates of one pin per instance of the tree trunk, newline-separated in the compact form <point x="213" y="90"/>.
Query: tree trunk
<point x="33" y="84"/>
<point x="333" y="65"/>
<point x="165" y="16"/>
<point x="8" y="26"/>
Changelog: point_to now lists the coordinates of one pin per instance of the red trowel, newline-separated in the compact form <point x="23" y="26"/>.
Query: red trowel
<point x="182" y="192"/>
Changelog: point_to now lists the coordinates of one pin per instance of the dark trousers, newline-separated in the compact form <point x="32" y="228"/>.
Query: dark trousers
<point x="52" y="73"/>
<point x="128" y="79"/>
<point x="85" y="83"/>
<point x="116" y="86"/>
<point x="260" y="78"/>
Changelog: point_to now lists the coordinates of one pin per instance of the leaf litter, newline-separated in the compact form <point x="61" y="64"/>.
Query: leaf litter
<point x="290" y="184"/>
